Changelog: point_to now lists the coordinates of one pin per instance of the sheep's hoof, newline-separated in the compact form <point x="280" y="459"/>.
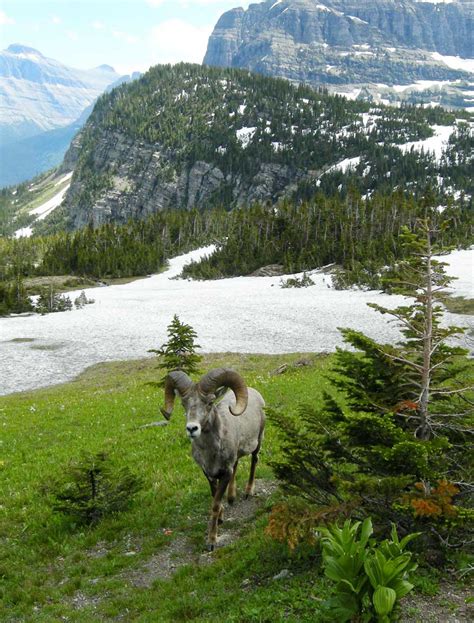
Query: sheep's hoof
<point x="230" y="501"/>
<point x="220" y="520"/>
<point x="210" y="547"/>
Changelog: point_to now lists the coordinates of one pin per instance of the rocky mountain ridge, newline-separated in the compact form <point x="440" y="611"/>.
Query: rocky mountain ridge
<point x="39" y="94"/>
<point x="348" y="42"/>
<point x="43" y="103"/>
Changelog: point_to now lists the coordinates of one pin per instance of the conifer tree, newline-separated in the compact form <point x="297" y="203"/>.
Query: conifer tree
<point x="179" y="352"/>
<point x="400" y="452"/>
<point x="419" y="378"/>
<point x="50" y="301"/>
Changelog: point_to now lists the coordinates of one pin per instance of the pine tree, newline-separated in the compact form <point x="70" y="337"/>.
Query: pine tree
<point x="400" y="452"/>
<point x="179" y="352"/>
<point x="50" y="301"/>
<point x="433" y="397"/>
<point x="93" y="488"/>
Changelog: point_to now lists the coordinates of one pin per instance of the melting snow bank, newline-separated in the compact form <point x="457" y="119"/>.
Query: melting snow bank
<point x="436" y="144"/>
<point x="460" y="264"/>
<point x="42" y="211"/>
<point x="243" y="314"/>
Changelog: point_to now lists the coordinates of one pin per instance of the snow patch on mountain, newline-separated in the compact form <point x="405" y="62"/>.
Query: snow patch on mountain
<point x="245" y="135"/>
<point x="455" y="62"/>
<point x="42" y="211"/>
<point x="435" y="145"/>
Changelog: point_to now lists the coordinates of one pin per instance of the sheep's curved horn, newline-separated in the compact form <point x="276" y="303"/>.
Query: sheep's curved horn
<point x="225" y="377"/>
<point x="178" y="381"/>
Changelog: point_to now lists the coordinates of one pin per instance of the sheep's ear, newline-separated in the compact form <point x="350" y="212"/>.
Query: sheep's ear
<point x="220" y="392"/>
<point x="165" y="414"/>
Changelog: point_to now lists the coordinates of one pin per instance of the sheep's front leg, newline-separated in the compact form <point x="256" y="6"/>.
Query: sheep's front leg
<point x="213" y="484"/>
<point x="217" y="510"/>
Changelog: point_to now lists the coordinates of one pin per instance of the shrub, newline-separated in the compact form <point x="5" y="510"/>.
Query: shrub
<point x="82" y="300"/>
<point x="50" y="301"/>
<point x="93" y="488"/>
<point x="297" y="282"/>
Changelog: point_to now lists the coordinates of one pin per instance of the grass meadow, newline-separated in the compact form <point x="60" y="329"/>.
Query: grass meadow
<point x="52" y="570"/>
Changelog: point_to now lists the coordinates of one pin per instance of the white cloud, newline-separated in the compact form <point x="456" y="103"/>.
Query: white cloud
<point x="187" y="3"/>
<point x="175" y="40"/>
<point x="72" y="35"/>
<point x="124" y="36"/>
<point x="56" y="20"/>
<point x="5" y="20"/>
<point x="97" y="25"/>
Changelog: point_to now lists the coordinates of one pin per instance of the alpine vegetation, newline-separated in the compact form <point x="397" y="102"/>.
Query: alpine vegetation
<point x="221" y="430"/>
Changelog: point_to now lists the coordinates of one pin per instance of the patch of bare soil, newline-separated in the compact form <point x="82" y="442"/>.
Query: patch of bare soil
<point x="181" y="551"/>
<point x="450" y="605"/>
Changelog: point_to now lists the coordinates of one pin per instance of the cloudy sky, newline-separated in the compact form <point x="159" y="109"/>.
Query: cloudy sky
<point x="127" y="34"/>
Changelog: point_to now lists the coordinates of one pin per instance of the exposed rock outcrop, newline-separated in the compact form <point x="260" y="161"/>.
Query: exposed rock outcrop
<point x="146" y="180"/>
<point x="337" y="42"/>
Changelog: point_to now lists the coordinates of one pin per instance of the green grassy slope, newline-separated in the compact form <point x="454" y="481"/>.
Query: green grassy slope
<point x="51" y="571"/>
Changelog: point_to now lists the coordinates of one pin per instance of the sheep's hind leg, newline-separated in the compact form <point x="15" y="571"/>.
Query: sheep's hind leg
<point x="250" y="488"/>
<point x="232" y="489"/>
<point x="217" y="510"/>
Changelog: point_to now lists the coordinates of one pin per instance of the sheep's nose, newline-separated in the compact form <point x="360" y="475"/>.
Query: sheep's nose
<point x="192" y="428"/>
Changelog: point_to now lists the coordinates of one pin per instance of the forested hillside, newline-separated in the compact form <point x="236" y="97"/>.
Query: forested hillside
<point x="360" y="236"/>
<point x="270" y="172"/>
<point x="189" y="136"/>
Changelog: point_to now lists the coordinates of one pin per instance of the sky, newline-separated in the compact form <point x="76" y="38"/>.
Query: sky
<point x="130" y="35"/>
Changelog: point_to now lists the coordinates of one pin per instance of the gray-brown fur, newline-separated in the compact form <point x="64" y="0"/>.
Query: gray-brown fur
<point x="219" y="438"/>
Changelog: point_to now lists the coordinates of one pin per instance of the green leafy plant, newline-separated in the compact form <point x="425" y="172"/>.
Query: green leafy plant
<point x="93" y="488"/>
<point x="369" y="578"/>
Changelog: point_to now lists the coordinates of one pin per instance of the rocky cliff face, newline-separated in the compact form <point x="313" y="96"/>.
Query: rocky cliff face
<point x="338" y="42"/>
<point x="145" y="180"/>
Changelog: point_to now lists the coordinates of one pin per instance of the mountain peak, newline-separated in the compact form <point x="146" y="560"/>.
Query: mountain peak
<point x="18" y="48"/>
<point x="106" y="68"/>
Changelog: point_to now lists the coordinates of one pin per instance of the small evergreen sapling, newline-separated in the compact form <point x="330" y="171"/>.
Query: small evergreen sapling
<point x="93" y="488"/>
<point x="179" y="352"/>
<point x="82" y="300"/>
<point x="50" y="301"/>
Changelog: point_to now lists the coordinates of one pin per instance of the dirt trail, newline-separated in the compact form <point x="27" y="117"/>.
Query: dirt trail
<point x="181" y="551"/>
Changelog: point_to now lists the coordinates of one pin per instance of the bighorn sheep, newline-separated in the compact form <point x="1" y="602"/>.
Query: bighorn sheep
<point x="219" y="438"/>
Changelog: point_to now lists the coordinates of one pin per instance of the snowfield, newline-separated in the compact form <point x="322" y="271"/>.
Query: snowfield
<point x="243" y="314"/>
